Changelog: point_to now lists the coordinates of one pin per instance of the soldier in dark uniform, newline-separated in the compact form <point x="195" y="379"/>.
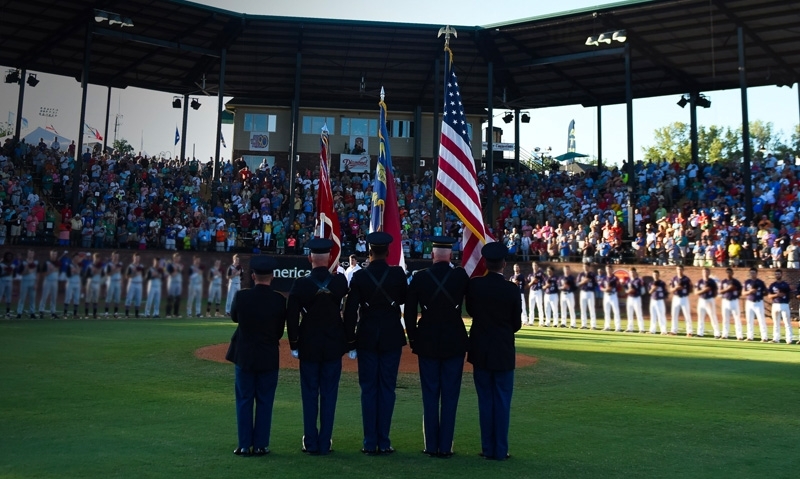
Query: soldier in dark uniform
<point x="261" y="315"/>
<point x="373" y="306"/>
<point x="319" y="341"/>
<point x="439" y="339"/>
<point x="492" y="303"/>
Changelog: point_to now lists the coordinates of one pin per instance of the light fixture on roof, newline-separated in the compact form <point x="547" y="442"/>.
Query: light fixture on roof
<point x="607" y="37"/>
<point x="525" y="118"/>
<point x="101" y="16"/>
<point x="509" y="117"/>
<point x="683" y="101"/>
<point x="176" y="102"/>
<point x="32" y="80"/>
<point x="703" y="101"/>
<point x="195" y="104"/>
<point x="12" y="76"/>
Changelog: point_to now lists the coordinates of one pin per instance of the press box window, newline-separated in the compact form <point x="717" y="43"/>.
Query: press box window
<point x="259" y="122"/>
<point x="359" y="127"/>
<point x="402" y="129"/>
<point x="312" y="125"/>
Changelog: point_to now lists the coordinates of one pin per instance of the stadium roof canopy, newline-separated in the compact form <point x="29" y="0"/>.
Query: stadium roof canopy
<point x="676" y="46"/>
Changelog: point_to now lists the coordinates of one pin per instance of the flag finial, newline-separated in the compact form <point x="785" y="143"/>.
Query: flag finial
<point x="383" y="93"/>
<point x="447" y="31"/>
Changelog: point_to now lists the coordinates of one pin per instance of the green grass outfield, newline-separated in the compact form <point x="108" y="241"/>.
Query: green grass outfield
<point x="129" y="399"/>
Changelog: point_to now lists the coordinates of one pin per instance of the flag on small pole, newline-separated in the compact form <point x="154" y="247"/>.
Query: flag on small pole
<point x="327" y="221"/>
<point x="385" y="212"/>
<point x="177" y="135"/>
<point x="456" y="181"/>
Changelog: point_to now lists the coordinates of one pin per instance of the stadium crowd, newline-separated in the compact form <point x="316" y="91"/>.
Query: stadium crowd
<point x="692" y="215"/>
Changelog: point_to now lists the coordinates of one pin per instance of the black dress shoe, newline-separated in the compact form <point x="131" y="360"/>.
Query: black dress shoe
<point x="446" y="455"/>
<point x="430" y="454"/>
<point x="485" y="456"/>
<point x="242" y="451"/>
<point x="261" y="451"/>
<point x="370" y="452"/>
<point x="388" y="450"/>
<point x="311" y="453"/>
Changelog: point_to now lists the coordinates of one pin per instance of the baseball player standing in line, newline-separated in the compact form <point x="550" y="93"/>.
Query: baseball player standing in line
<point x="658" y="309"/>
<point x="587" y="282"/>
<point x="50" y="269"/>
<point x="779" y="294"/>
<point x="195" y="289"/>
<point x="707" y="291"/>
<point x="234" y="275"/>
<point x="214" y="287"/>
<point x="634" y="287"/>
<point x="135" y="275"/>
<point x="114" y="283"/>
<point x="94" y="279"/>
<point x="754" y="291"/>
<point x="550" y="298"/>
<point x="27" y="285"/>
<point x="154" y="276"/>
<point x="72" y="294"/>
<point x="608" y="285"/>
<point x="730" y="290"/>
<point x="680" y="287"/>
<point x="174" y="285"/>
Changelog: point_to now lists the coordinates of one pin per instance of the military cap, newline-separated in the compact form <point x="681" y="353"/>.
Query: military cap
<point x="320" y="245"/>
<point x="494" y="251"/>
<point x="443" y="242"/>
<point x="263" y="264"/>
<point x="379" y="238"/>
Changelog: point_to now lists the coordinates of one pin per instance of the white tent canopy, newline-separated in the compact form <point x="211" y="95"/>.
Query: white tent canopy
<point x="33" y="138"/>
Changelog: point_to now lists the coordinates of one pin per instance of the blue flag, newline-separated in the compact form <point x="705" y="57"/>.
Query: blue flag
<point x="177" y="135"/>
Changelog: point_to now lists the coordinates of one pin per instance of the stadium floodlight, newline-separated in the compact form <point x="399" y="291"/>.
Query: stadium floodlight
<point x="683" y="101"/>
<point x="176" y="102"/>
<point x="100" y="16"/>
<point x="195" y="104"/>
<point x="12" y="76"/>
<point x="525" y="118"/>
<point x="604" y="38"/>
<point x="127" y="22"/>
<point x="32" y="80"/>
<point x="114" y="19"/>
<point x="703" y="101"/>
<point x="509" y="117"/>
<point x="591" y="42"/>
<point x="620" y="36"/>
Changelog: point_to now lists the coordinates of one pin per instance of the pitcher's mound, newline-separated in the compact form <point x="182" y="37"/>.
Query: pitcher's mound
<point x="408" y="361"/>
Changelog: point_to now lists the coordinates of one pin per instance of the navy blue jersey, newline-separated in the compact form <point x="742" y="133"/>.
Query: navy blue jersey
<point x="782" y="289"/>
<point x="591" y="281"/>
<point x="712" y="288"/>
<point x="609" y="282"/>
<point x="519" y="281"/>
<point x="754" y="290"/>
<point x="566" y="284"/>
<point x="551" y="285"/>
<point x="659" y="290"/>
<point x="735" y="292"/>
<point x="684" y="285"/>
<point x="538" y="280"/>
<point x="633" y="287"/>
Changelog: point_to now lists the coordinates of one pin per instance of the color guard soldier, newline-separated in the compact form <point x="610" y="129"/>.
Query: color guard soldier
<point x="492" y="303"/>
<point x="439" y="339"/>
<point x="261" y="315"/>
<point x="373" y="305"/>
<point x="317" y="337"/>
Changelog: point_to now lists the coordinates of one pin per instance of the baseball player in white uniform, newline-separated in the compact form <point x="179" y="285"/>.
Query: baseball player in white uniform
<point x="214" y="287"/>
<point x="234" y="275"/>
<point x="114" y="283"/>
<point x="174" y="285"/>
<point x="154" y="276"/>
<point x="706" y="289"/>
<point x="731" y="290"/>
<point x="680" y="287"/>
<point x="608" y="285"/>
<point x="135" y="275"/>
<point x="195" y="289"/>
<point x="50" y="269"/>
<point x="27" y="285"/>
<point x="72" y="294"/>
<point x="658" y="309"/>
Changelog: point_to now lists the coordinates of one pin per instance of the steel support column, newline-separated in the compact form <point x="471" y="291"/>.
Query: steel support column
<point x="489" y="214"/>
<point x="746" y="173"/>
<point x="417" y="140"/>
<point x="516" y="138"/>
<point x="220" y="105"/>
<point x="108" y="113"/>
<point x="599" y="138"/>
<point x="693" y="125"/>
<point x="20" y="102"/>
<point x="632" y="178"/>
<point x="295" y="132"/>
<point x="76" y="173"/>
<point x="184" y="125"/>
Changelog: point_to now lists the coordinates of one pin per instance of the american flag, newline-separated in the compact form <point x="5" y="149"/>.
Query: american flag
<point x="385" y="212"/>
<point x="456" y="182"/>
<point x="327" y="221"/>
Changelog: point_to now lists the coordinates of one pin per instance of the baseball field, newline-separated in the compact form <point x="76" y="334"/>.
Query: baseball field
<point x="129" y="398"/>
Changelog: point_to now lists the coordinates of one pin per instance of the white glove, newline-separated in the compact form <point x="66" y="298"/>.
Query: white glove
<point x="295" y="354"/>
<point x="352" y="354"/>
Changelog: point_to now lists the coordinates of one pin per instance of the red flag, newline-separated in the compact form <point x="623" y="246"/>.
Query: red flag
<point x="456" y="182"/>
<point x="327" y="221"/>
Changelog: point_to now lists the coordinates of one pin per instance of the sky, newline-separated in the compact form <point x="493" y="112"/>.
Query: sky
<point x="148" y="121"/>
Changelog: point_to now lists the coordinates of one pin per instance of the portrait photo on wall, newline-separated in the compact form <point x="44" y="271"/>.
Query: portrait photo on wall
<point x="359" y="144"/>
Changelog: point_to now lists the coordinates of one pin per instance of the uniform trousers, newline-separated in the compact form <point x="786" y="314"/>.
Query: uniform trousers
<point x="633" y="306"/>
<point x="706" y="307"/>
<point x="72" y="294"/>
<point x="781" y="312"/>
<point x="681" y="304"/>
<point x="133" y="297"/>
<point x="254" y="388"/>
<point x="524" y="315"/>
<point x="153" y="305"/>
<point x="194" y="299"/>
<point x="551" y="309"/>
<point x="214" y="293"/>
<point x="114" y="291"/>
<point x="27" y="291"/>
<point x="588" y="312"/>
<point x="6" y="287"/>
<point x="658" y="316"/>
<point x="730" y="309"/>
<point x="233" y="288"/>
<point x="440" y="380"/>
<point x="611" y="306"/>
<point x="319" y="390"/>
<point x="536" y="304"/>
<point x="49" y="293"/>
<point x="494" y="390"/>
<point x="567" y="304"/>
<point x="377" y="376"/>
<point x="751" y="309"/>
